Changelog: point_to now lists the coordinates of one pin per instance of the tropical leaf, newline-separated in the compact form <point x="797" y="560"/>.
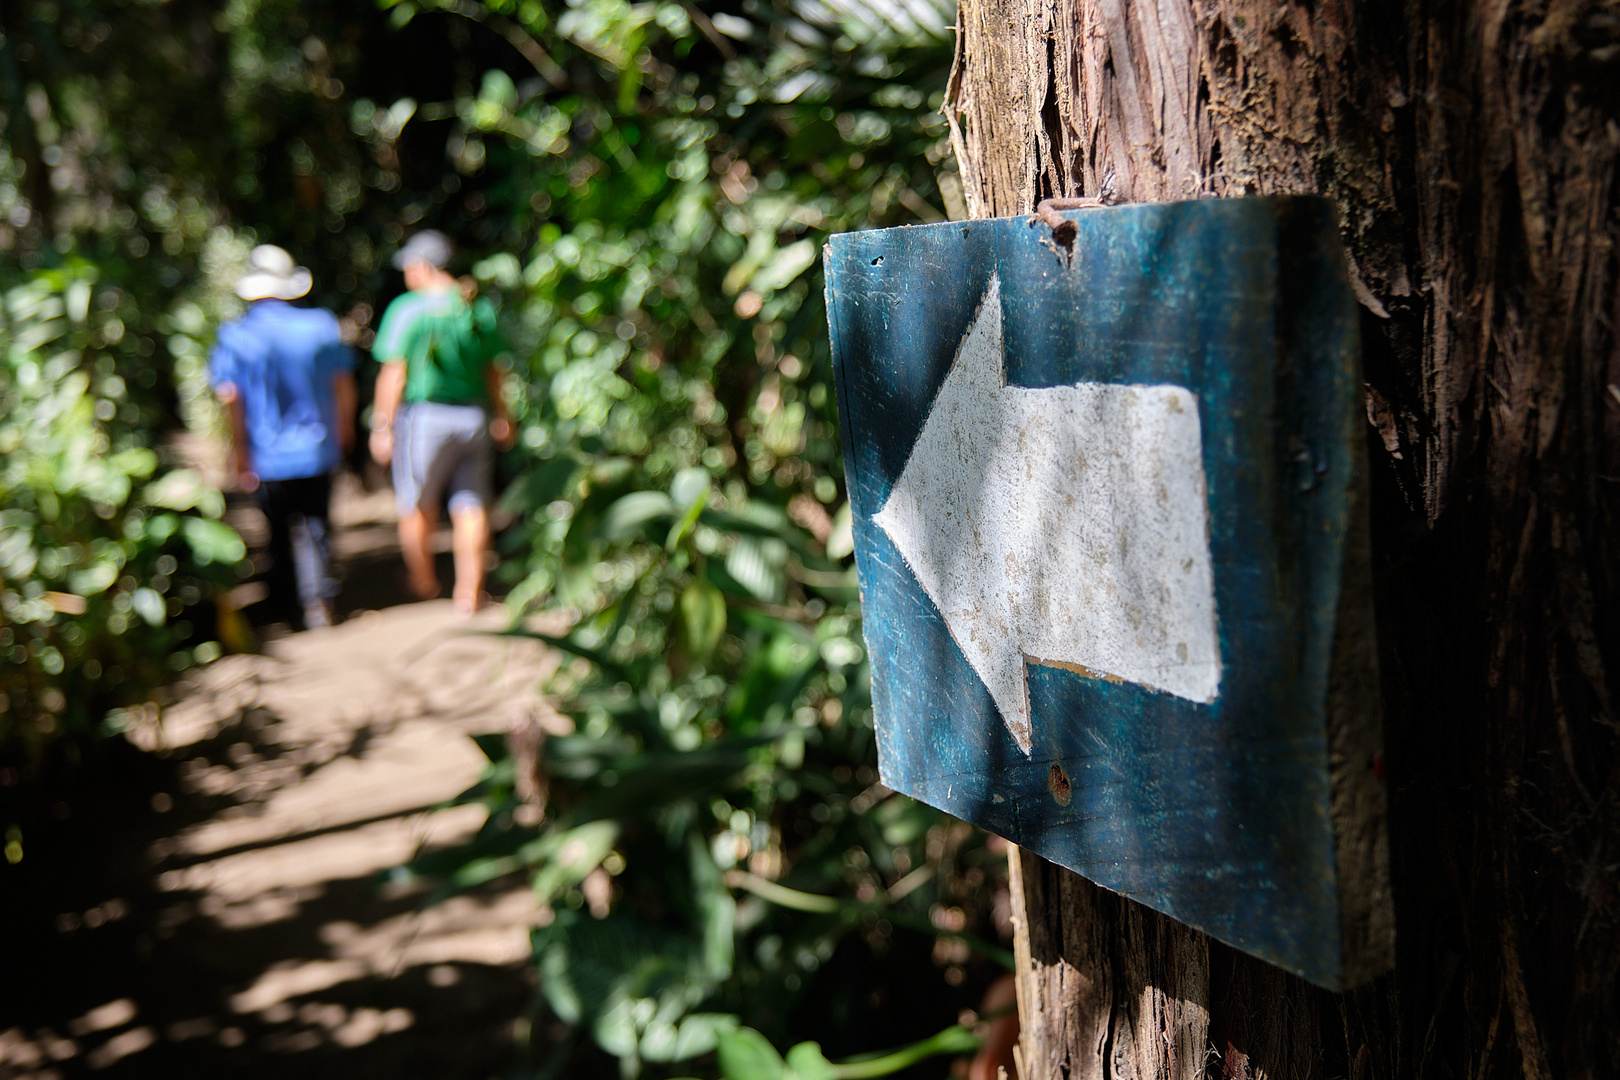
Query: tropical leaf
<point x="703" y="614"/>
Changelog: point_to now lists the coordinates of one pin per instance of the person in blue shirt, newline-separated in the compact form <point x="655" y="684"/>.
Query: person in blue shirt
<point x="287" y="382"/>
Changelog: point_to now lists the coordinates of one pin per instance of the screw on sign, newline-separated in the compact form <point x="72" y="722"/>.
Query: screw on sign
<point x="1107" y="618"/>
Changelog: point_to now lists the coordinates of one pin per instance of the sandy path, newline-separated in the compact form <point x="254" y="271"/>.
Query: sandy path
<point x="242" y="923"/>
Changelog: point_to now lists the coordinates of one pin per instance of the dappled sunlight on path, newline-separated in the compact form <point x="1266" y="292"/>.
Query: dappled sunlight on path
<point x="244" y="923"/>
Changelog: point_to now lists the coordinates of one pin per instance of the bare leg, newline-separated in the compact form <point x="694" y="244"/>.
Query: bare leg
<point x="416" y="544"/>
<point x="471" y="530"/>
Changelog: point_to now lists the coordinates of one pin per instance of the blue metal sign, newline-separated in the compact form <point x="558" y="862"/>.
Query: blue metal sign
<point x="1103" y="502"/>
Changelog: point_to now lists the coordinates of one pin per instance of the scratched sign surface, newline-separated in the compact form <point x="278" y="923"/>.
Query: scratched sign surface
<point x="1103" y="502"/>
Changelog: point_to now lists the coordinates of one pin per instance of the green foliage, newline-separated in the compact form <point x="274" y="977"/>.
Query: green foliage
<point x="132" y="143"/>
<point x="643" y="189"/>
<point x="711" y="836"/>
<point x="745" y="1054"/>
<point x="134" y="131"/>
<point x="105" y="556"/>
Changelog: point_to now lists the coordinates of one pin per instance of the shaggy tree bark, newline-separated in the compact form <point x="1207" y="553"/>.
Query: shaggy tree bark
<point x="1470" y="146"/>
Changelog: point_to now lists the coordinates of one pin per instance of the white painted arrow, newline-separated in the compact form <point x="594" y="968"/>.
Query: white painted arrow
<point x="1063" y="526"/>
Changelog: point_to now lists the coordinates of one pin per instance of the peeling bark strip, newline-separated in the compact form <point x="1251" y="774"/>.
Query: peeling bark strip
<point x="1471" y="147"/>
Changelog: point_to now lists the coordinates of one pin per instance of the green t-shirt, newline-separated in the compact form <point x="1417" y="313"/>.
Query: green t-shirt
<point x="446" y="344"/>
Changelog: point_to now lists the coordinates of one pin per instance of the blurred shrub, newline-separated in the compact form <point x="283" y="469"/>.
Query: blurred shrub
<point x="702" y="818"/>
<point x="109" y="562"/>
<point x="704" y="824"/>
<point x="647" y="186"/>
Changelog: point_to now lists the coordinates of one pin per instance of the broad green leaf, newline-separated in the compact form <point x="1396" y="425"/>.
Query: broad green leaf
<point x="632" y="512"/>
<point x="745" y="1054"/>
<point x="94" y="579"/>
<point x="18" y="556"/>
<point x="78" y="301"/>
<point x="391" y="121"/>
<point x="699" y="1034"/>
<point x="615" y="1027"/>
<point x="717" y="910"/>
<point x="502" y="268"/>
<point x="213" y="541"/>
<point x="806" y="1062"/>
<point x="135" y="462"/>
<point x="499" y="88"/>
<point x="540" y="484"/>
<point x="149" y="605"/>
<point x="689" y="486"/>
<point x="703" y="611"/>
<point x="621" y="974"/>
<point x="841" y="543"/>
<point x="756" y="564"/>
<point x="159" y="527"/>
<point x="184" y="489"/>
<point x="787" y="264"/>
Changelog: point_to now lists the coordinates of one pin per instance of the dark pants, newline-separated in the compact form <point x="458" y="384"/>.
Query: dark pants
<point x="300" y="540"/>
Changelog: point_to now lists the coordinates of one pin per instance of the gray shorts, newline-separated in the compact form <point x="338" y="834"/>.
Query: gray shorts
<point x="442" y="450"/>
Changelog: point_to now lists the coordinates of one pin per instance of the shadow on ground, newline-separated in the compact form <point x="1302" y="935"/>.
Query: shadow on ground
<point x="109" y="973"/>
<point x="219" y="904"/>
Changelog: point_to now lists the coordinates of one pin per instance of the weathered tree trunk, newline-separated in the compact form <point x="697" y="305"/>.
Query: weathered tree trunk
<point x="1471" y="148"/>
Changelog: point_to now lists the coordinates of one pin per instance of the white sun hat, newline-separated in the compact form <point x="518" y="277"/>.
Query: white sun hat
<point x="271" y="275"/>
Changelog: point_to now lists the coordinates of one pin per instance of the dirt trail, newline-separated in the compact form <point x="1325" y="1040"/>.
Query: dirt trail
<point x="220" y="906"/>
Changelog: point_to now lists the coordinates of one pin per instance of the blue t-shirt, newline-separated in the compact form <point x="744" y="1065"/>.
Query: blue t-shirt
<point x="282" y="359"/>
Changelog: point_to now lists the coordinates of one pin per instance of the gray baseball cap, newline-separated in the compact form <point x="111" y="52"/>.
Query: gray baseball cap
<point x="430" y="246"/>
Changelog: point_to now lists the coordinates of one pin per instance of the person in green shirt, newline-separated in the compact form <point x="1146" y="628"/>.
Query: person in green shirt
<point x="439" y="408"/>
